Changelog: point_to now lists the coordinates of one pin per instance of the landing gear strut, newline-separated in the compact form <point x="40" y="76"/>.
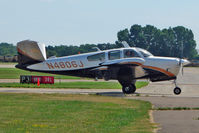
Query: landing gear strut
<point x="128" y="89"/>
<point x="176" y="90"/>
<point x="126" y="78"/>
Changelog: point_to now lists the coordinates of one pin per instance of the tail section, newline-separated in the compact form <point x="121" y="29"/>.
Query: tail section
<point x="30" y="52"/>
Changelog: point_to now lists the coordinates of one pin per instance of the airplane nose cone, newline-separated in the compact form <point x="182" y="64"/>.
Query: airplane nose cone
<point x="184" y="62"/>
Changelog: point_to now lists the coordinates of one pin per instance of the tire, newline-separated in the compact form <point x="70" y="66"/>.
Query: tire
<point x="107" y="76"/>
<point x="177" y="90"/>
<point x="129" y="89"/>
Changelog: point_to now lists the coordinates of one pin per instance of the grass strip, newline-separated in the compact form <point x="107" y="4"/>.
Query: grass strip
<point x="55" y="113"/>
<point x="77" y="85"/>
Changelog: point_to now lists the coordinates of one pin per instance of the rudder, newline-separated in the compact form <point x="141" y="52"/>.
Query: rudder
<point x="30" y="52"/>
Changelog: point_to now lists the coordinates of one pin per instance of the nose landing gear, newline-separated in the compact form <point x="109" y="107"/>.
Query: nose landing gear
<point x="177" y="89"/>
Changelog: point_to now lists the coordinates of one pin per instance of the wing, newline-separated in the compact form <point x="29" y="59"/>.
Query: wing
<point x="127" y="61"/>
<point x="126" y="66"/>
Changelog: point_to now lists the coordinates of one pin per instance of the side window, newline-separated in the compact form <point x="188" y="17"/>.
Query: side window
<point x="97" y="57"/>
<point x="128" y="53"/>
<point x="112" y="55"/>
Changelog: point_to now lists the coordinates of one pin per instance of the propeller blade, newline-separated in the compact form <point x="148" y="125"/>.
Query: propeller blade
<point x="182" y="63"/>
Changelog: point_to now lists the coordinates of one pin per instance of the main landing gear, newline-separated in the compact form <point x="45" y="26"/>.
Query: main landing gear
<point x="126" y="78"/>
<point x="128" y="89"/>
<point x="176" y="90"/>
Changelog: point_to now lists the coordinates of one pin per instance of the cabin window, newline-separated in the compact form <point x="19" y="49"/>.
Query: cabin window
<point x="129" y="53"/>
<point x="114" y="55"/>
<point x="97" y="57"/>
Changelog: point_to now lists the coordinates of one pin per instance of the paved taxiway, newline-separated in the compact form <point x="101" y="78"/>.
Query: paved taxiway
<point x="5" y="65"/>
<point x="159" y="94"/>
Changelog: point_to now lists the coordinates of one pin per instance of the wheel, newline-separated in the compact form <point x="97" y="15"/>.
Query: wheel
<point x="107" y="76"/>
<point x="177" y="90"/>
<point x="129" y="89"/>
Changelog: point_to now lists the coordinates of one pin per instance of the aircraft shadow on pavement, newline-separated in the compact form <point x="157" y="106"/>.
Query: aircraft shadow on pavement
<point x="113" y="94"/>
<point x="120" y="94"/>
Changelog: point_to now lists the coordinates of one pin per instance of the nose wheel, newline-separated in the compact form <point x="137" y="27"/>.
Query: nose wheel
<point x="177" y="89"/>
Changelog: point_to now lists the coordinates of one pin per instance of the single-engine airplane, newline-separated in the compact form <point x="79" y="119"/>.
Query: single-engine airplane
<point x="123" y="64"/>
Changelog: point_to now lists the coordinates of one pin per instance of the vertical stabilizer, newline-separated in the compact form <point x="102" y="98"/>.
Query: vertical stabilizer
<point x="30" y="52"/>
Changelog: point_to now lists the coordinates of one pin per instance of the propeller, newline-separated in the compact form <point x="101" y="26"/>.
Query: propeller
<point x="182" y="62"/>
<point x="181" y="59"/>
<point x="182" y="69"/>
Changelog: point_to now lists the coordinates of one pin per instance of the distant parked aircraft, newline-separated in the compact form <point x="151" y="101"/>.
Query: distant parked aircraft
<point x="123" y="64"/>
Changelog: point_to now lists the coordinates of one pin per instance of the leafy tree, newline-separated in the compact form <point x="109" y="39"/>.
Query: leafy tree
<point x="50" y="51"/>
<point x="175" y="42"/>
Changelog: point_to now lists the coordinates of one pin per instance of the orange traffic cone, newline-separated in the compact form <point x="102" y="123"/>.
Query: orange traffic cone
<point x="38" y="83"/>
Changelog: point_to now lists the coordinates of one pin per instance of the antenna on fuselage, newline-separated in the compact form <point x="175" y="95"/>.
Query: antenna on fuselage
<point x="125" y="44"/>
<point x="96" y="48"/>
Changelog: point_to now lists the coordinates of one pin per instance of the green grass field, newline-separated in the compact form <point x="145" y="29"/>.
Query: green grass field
<point x="59" y="113"/>
<point x="14" y="73"/>
<point x="78" y="85"/>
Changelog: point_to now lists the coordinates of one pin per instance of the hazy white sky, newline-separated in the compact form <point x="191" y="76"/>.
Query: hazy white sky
<point x="75" y="22"/>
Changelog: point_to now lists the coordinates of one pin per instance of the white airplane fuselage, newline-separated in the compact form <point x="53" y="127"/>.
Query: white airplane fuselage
<point x="123" y="64"/>
<point x="166" y="65"/>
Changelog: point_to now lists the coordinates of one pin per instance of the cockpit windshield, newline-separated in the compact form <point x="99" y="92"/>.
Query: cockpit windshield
<point x="144" y="52"/>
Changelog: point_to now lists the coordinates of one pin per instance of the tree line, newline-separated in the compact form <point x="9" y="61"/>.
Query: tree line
<point x="173" y="42"/>
<point x="7" y="49"/>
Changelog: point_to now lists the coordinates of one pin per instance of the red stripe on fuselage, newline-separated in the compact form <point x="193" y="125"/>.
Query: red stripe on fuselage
<point x="153" y="68"/>
<point x="160" y="70"/>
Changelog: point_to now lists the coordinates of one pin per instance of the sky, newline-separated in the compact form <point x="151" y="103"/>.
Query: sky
<point x="75" y="22"/>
